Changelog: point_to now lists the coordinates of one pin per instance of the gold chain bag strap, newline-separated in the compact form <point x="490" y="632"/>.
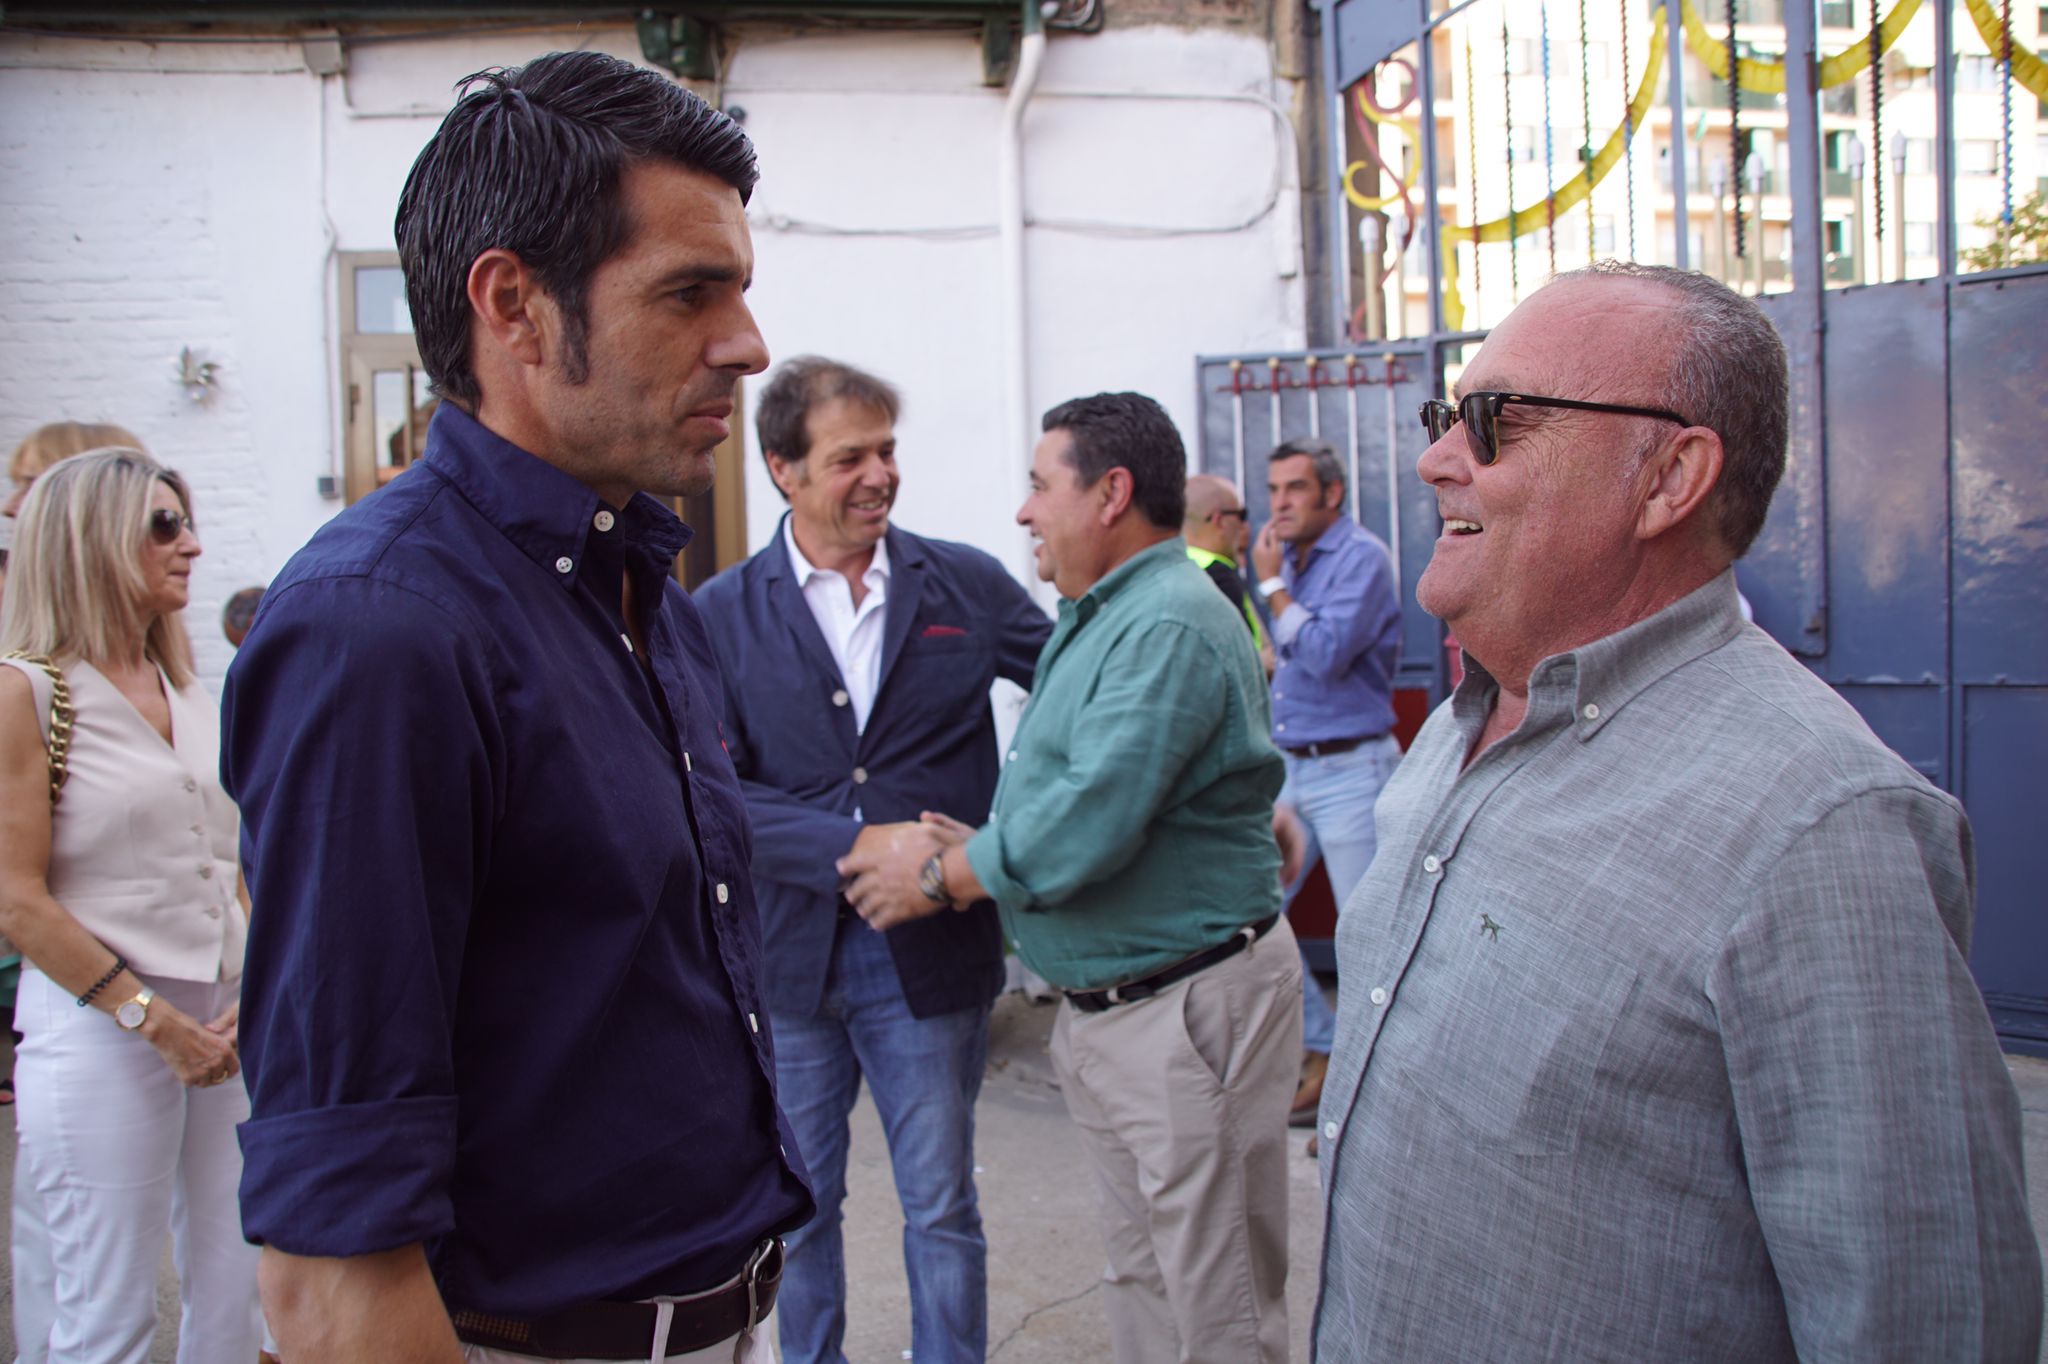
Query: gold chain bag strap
<point x="60" y="721"/>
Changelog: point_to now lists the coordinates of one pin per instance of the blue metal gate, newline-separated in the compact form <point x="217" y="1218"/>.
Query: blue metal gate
<point x="1905" y="560"/>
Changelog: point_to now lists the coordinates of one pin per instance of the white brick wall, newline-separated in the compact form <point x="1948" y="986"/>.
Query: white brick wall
<point x="164" y="196"/>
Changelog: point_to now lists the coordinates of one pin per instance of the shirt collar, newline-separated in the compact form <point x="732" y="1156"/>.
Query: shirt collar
<point x="1589" y="685"/>
<point x="546" y="513"/>
<point x="1333" y="534"/>
<point x="1147" y="561"/>
<point x="877" y="573"/>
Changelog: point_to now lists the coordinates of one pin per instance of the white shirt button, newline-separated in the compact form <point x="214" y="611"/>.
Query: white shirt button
<point x="1432" y="864"/>
<point x="1591" y="711"/>
<point x="754" y="1023"/>
<point x="191" y="785"/>
<point x="603" y="520"/>
<point x="199" y="829"/>
<point x="1329" y="1131"/>
<point x="860" y="776"/>
<point x="723" y="893"/>
<point x="1378" y="995"/>
<point x="206" y="872"/>
<point x="564" y="564"/>
<point x="840" y="698"/>
<point x="213" y="911"/>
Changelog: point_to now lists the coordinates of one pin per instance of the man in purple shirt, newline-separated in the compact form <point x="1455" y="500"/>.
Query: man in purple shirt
<point x="1336" y="610"/>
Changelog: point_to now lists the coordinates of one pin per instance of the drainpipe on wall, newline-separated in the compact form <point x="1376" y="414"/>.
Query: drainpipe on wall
<point x="1010" y="213"/>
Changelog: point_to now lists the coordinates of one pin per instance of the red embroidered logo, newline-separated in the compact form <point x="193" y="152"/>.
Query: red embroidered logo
<point x="937" y="631"/>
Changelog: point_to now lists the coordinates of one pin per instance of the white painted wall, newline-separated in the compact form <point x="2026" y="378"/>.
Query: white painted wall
<point x="167" y="195"/>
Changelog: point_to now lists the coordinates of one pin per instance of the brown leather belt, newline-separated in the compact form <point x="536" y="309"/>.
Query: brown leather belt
<point x="1324" y="748"/>
<point x="1130" y="992"/>
<point x="625" y="1330"/>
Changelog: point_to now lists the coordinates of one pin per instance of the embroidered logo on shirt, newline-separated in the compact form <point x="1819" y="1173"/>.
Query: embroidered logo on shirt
<point x="1489" y="927"/>
<point x="936" y="631"/>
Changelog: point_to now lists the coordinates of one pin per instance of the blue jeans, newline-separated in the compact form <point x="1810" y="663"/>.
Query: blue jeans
<point x="925" y="1074"/>
<point x="1334" y="796"/>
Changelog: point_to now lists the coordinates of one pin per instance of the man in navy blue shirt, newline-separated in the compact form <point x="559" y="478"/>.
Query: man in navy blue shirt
<point x="506" y="1039"/>
<point x="858" y="659"/>
<point x="1336" y="608"/>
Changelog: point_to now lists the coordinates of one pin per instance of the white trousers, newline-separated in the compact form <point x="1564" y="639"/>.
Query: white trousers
<point x="120" y="1153"/>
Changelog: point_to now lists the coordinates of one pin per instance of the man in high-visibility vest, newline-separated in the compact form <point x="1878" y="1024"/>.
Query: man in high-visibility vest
<point x="1217" y="533"/>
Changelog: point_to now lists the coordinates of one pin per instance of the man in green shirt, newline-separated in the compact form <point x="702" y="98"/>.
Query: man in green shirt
<point x="1131" y="851"/>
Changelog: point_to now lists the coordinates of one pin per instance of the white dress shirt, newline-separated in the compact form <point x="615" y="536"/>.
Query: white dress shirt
<point x="852" y="633"/>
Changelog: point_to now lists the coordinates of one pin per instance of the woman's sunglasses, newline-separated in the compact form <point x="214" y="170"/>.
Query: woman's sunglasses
<point x="1480" y="412"/>
<point x="165" y="525"/>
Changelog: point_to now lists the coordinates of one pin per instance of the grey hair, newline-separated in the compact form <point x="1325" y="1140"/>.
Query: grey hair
<point x="1728" y="374"/>
<point x="1329" y="469"/>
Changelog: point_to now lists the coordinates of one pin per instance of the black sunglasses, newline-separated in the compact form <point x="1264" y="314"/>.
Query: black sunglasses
<point x="165" y="525"/>
<point x="1480" y="412"/>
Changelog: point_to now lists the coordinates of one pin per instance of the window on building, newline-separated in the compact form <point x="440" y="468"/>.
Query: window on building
<point x="1978" y="73"/>
<point x="1603" y="234"/>
<point x="1902" y="74"/>
<point x="1525" y="145"/>
<point x="1919" y="156"/>
<point x="1919" y="239"/>
<point x="385" y="398"/>
<point x="1523" y="54"/>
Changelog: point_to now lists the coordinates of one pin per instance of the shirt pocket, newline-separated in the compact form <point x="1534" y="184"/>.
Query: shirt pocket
<point x="1515" y="1059"/>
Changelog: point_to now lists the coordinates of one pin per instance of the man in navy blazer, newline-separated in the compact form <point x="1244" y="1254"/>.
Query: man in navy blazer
<point x="857" y="660"/>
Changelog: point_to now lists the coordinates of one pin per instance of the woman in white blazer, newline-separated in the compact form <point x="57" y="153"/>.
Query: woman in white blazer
<point x="120" y="888"/>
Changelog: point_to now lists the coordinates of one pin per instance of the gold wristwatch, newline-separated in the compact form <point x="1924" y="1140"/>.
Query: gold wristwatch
<point x="132" y="1014"/>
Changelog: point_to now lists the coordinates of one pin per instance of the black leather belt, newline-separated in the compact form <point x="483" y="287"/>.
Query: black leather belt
<point x="1095" y="1001"/>
<point x="1324" y="748"/>
<point x="625" y="1330"/>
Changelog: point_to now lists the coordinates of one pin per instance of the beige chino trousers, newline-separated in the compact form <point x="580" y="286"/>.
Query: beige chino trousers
<point x="1182" y="1100"/>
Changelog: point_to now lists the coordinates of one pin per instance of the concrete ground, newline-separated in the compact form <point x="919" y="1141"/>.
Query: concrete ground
<point x="1038" y="1203"/>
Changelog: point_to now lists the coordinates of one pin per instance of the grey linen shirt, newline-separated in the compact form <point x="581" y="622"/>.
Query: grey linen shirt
<point x="1657" y="1040"/>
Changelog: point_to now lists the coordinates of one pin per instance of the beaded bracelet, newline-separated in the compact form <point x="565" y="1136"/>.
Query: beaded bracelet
<point x="120" y="965"/>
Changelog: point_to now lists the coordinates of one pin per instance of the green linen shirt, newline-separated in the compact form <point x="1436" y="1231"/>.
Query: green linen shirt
<point x="1132" y="825"/>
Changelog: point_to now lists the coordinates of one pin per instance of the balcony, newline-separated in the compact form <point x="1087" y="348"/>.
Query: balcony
<point x="1837" y="14"/>
<point x="1838" y="184"/>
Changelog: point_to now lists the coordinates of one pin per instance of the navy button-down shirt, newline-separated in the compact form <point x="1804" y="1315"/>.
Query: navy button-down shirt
<point x="1338" y="642"/>
<point x="503" y="992"/>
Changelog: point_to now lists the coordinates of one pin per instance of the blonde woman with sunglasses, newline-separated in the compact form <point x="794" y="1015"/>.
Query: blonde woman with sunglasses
<point x="119" y="886"/>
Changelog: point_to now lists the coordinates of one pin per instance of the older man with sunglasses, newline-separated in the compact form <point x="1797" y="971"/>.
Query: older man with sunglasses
<point x="1658" y="1040"/>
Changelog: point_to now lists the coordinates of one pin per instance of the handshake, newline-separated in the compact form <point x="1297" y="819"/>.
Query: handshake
<point x="894" y="873"/>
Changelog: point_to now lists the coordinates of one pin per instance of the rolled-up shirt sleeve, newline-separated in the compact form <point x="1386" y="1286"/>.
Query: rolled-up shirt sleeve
<point x="359" y="738"/>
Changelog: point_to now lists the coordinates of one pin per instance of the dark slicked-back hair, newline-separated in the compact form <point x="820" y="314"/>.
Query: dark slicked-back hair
<point x="1128" y="431"/>
<point x="1323" y="455"/>
<point x="805" y="382"/>
<point x="530" y="160"/>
